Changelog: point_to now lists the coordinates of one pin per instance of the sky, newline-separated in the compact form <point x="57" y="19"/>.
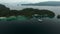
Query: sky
<point x="27" y="1"/>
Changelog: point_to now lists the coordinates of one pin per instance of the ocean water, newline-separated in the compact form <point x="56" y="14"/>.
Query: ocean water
<point x="32" y="26"/>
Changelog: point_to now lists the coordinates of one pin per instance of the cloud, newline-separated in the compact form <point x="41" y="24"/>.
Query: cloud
<point x="30" y="1"/>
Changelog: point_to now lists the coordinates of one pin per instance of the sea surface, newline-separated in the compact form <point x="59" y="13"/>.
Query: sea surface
<point x="32" y="26"/>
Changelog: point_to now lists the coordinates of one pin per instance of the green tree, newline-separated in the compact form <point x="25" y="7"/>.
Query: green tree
<point x="30" y="12"/>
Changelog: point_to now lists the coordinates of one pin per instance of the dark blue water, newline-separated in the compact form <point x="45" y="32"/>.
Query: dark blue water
<point x="47" y="26"/>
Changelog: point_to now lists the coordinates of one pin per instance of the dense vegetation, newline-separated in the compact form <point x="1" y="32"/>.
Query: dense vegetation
<point x="41" y="13"/>
<point x="28" y="12"/>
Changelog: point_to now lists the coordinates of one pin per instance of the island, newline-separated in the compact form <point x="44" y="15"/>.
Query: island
<point x="58" y="16"/>
<point x="47" y="3"/>
<point x="5" y="12"/>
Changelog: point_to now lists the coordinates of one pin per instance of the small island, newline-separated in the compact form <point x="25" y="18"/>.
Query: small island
<point x="58" y="16"/>
<point x="27" y="12"/>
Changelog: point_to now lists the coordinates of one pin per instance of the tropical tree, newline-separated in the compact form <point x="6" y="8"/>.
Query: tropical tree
<point x="30" y="12"/>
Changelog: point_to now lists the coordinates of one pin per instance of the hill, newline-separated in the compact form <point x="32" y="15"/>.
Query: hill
<point x="47" y="3"/>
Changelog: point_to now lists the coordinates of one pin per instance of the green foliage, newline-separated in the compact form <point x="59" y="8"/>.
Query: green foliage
<point x="41" y="13"/>
<point x="28" y="12"/>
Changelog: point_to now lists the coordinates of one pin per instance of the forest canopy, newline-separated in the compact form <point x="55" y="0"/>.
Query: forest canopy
<point x="27" y="12"/>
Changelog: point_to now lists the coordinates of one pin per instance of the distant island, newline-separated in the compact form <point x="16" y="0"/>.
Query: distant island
<point x="48" y="3"/>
